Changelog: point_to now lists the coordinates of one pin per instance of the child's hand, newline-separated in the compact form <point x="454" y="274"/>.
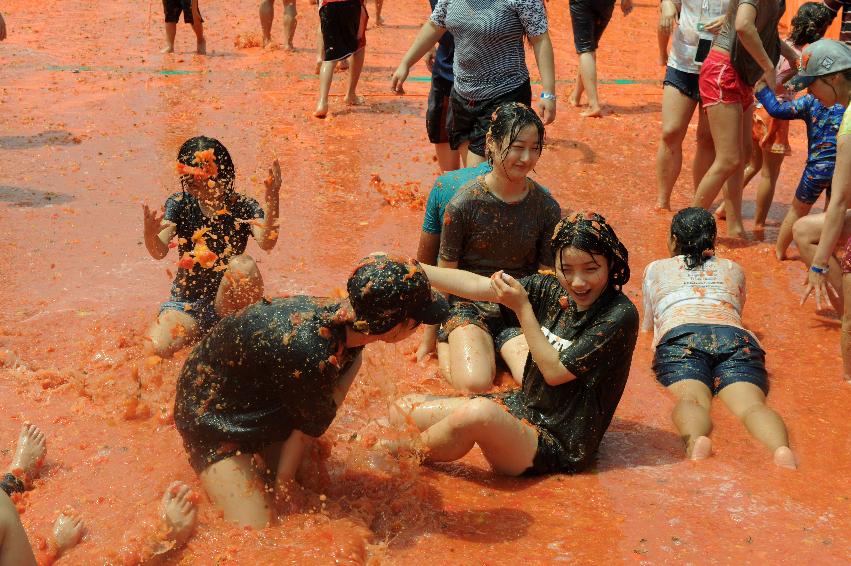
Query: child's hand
<point x="715" y="25"/>
<point x="273" y="181"/>
<point x="153" y="220"/>
<point x="667" y="17"/>
<point x="509" y="291"/>
<point x="430" y="58"/>
<point x="626" y="7"/>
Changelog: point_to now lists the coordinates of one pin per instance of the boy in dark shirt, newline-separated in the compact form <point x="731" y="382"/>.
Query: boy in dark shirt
<point x="212" y="223"/>
<point x="279" y="369"/>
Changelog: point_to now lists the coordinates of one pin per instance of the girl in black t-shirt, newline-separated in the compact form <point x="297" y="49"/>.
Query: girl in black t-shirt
<point x="581" y="330"/>
<point x="211" y="223"/>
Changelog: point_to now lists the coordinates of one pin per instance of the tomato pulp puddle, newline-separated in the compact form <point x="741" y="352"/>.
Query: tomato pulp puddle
<point x="91" y="120"/>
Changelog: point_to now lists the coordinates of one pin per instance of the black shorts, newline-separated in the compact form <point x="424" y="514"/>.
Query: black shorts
<point x="717" y="356"/>
<point x="686" y="83"/>
<point x="469" y="120"/>
<point x="437" y="115"/>
<point x="173" y="8"/>
<point x="589" y="19"/>
<point x="343" y="28"/>
<point x="204" y="452"/>
<point x="548" y="455"/>
<point x="487" y="316"/>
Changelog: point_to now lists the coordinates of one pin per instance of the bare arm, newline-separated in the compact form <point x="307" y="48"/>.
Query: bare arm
<point x="543" y="48"/>
<point x="461" y="283"/>
<point x="157" y="232"/>
<point x="667" y="17"/>
<point x="789" y="54"/>
<point x="428" y="248"/>
<point x="429" y="34"/>
<point x="750" y="40"/>
<point x="266" y="233"/>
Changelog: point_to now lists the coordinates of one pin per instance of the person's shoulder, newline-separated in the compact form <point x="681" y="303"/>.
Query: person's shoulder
<point x="468" y="194"/>
<point x="623" y="310"/>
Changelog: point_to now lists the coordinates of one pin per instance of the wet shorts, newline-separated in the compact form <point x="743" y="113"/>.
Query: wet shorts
<point x="589" y="19"/>
<point x="815" y="179"/>
<point x="717" y="356"/>
<point x="203" y="313"/>
<point x="720" y="82"/>
<point x="173" y="8"/>
<point x="487" y="316"/>
<point x="686" y="83"/>
<point x="846" y="258"/>
<point x="437" y="115"/>
<point x="771" y="134"/>
<point x="343" y="28"/>
<point x="469" y="120"/>
<point x="550" y="450"/>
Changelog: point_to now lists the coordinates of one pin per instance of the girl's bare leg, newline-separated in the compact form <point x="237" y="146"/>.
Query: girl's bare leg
<point x="16" y="549"/>
<point x="241" y="285"/>
<point x="325" y="76"/>
<point x="575" y="96"/>
<point x="754" y="166"/>
<point x="747" y="402"/>
<point x="797" y="210"/>
<point x="447" y="158"/>
<point x="807" y="232"/>
<point x="691" y="416"/>
<point x="588" y="70"/>
<point x="472" y="360"/>
<point x="172" y="331"/>
<point x="771" y="163"/>
<point x="677" y="110"/>
<point x="198" y="27"/>
<point x="170" y="34"/>
<point x="290" y="22"/>
<point x="354" y="76"/>
<point x="515" y="352"/>
<point x="267" y="16"/>
<point x="704" y="154"/>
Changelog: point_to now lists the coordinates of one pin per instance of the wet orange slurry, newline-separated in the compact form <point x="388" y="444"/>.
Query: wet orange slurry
<point x="91" y="117"/>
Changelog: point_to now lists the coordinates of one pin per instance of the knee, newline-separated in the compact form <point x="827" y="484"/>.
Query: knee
<point x="694" y="401"/>
<point x="801" y="232"/>
<point x="401" y="409"/>
<point x="672" y="136"/>
<point x="242" y="266"/>
<point x="476" y="412"/>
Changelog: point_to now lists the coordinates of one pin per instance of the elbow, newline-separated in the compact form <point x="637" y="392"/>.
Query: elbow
<point x="743" y="27"/>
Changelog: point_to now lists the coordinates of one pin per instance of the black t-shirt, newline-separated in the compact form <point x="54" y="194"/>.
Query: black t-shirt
<point x="227" y="235"/>
<point x="596" y="346"/>
<point x="264" y="371"/>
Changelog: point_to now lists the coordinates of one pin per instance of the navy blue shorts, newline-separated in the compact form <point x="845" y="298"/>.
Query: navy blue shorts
<point x="437" y="114"/>
<point x="173" y="8"/>
<point x="717" y="356"/>
<point x="815" y="179"/>
<point x="686" y="83"/>
<point x="203" y="313"/>
<point x="589" y="19"/>
<point x="487" y="316"/>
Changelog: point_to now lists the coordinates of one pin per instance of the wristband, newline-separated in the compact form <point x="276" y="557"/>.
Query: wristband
<point x="819" y="270"/>
<point x="548" y="96"/>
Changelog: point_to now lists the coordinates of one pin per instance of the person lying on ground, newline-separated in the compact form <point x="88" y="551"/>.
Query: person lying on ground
<point x="211" y="223"/>
<point x="694" y="301"/>
<point x="502" y="220"/>
<point x="581" y="330"/>
<point x="266" y="378"/>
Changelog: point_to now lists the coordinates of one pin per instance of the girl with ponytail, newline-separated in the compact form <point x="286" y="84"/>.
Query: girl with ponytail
<point x="581" y="331"/>
<point x="693" y="301"/>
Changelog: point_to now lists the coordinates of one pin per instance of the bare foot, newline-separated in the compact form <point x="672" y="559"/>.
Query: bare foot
<point x="179" y="512"/>
<point x="290" y="47"/>
<point x="354" y="100"/>
<point x="701" y="449"/>
<point x="269" y="44"/>
<point x="30" y="452"/>
<point x="592" y="112"/>
<point x="379" y="22"/>
<point x="321" y="110"/>
<point x="67" y="531"/>
<point x="167" y="49"/>
<point x="660" y="206"/>
<point x="201" y="47"/>
<point x="784" y="458"/>
<point x="736" y="232"/>
<point x="780" y="255"/>
<point x="573" y="97"/>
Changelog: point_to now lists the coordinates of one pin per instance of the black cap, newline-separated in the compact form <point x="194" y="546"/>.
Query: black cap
<point x="385" y="291"/>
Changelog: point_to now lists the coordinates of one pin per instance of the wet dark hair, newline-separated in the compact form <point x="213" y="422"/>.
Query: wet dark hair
<point x="590" y="233"/>
<point x="186" y="155"/>
<point x="694" y="229"/>
<point x="809" y="23"/>
<point x="507" y="122"/>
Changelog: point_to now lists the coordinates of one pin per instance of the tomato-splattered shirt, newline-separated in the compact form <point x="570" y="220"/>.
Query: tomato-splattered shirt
<point x="264" y="371"/>
<point x="596" y="346"/>
<point x="485" y="234"/>
<point x="225" y="234"/>
<point x="713" y="293"/>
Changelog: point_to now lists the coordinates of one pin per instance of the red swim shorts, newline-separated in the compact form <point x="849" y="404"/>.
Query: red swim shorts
<point x="846" y="259"/>
<point x="720" y="82"/>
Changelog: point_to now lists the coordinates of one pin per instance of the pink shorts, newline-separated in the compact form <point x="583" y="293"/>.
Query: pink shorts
<point x="720" y="82"/>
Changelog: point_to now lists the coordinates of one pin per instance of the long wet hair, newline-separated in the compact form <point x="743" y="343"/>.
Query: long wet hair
<point x="590" y="233"/>
<point x="227" y="172"/>
<point x="695" y="231"/>
<point x="809" y="23"/>
<point x="507" y="121"/>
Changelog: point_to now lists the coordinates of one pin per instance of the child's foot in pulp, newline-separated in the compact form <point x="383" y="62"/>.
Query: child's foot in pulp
<point x="179" y="512"/>
<point x="701" y="449"/>
<point x="592" y="112"/>
<point x="354" y="100"/>
<point x="29" y="454"/>
<point x="201" y="47"/>
<point x="784" y="458"/>
<point x="67" y="531"/>
<point x="321" y="110"/>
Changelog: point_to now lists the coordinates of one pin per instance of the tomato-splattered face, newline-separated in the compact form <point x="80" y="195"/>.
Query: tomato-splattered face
<point x="584" y="276"/>
<point x="399" y="332"/>
<point x="521" y="156"/>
